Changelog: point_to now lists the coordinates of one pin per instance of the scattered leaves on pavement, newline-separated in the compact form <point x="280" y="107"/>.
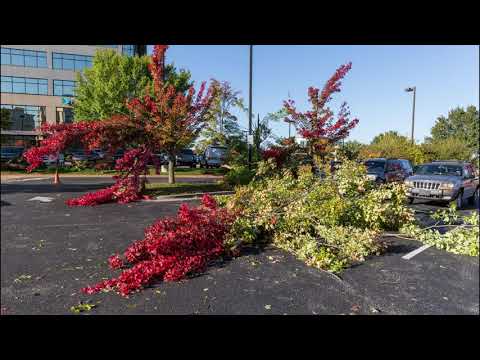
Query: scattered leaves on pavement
<point x="82" y="307"/>
<point x="355" y="308"/>
<point x="22" y="277"/>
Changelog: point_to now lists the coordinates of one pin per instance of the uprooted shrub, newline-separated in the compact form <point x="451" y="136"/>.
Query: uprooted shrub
<point x="172" y="248"/>
<point x="328" y="223"/>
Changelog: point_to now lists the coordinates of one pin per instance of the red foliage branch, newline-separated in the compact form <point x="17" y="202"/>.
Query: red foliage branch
<point x="172" y="248"/>
<point x="279" y="154"/>
<point x="319" y="123"/>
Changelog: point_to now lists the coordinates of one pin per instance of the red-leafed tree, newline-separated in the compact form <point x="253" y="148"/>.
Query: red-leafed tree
<point x="162" y="120"/>
<point x="319" y="126"/>
<point x="177" y="118"/>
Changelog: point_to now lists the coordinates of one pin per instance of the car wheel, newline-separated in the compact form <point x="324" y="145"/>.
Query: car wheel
<point x="473" y="200"/>
<point x="459" y="200"/>
<point x="411" y="200"/>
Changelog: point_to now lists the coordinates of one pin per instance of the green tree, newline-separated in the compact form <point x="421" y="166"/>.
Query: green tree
<point x="103" y="89"/>
<point x="461" y="124"/>
<point x="350" y="149"/>
<point x="221" y="124"/>
<point x="386" y="135"/>
<point x="392" y="145"/>
<point x="450" y="148"/>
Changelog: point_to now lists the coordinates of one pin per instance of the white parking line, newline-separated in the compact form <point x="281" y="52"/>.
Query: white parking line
<point x="41" y="199"/>
<point x="416" y="252"/>
<point x="27" y="179"/>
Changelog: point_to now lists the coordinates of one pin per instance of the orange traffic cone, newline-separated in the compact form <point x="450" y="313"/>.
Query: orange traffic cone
<point x="56" y="179"/>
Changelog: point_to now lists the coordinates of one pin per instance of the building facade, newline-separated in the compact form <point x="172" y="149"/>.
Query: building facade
<point x="38" y="84"/>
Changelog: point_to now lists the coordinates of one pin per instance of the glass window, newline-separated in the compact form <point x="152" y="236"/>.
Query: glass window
<point x="64" y="115"/>
<point x="20" y="57"/>
<point x="31" y="88"/>
<point x="375" y="165"/>
<point x="42" y="61"/>
<point x="6" y="84"/>
<point x="441" y="169"/>
<point x="68" y="115"/>
<point x="20" y="85"/>
<point x="25" y="117"/>
<point x="18" y="60"/>
<point x="68" y="64"/>
<point x="64" y="88"/>
<point x="30" y="61"/>
<point x="71" y="61"/>
<point x="5" y="58"/>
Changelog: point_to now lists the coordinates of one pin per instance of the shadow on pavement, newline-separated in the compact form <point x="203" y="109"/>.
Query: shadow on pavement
<point x="439" y="205"/>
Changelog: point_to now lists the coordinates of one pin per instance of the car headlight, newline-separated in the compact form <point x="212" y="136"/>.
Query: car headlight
<point x="372" y="177"/>
<point x="446" y="186"/>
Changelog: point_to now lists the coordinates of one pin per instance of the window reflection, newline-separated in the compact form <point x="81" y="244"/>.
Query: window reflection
<point x="22" y="117"/>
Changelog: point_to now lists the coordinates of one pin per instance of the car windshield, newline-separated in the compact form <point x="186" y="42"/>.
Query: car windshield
<point x="187" y="152"/>
<point x="375" y="165"/>
<point x="434" y="169"/>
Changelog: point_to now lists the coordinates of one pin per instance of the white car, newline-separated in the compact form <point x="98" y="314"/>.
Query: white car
<point x="51" y="160"/>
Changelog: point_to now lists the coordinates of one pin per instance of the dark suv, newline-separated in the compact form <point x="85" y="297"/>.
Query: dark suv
<point x="445" y="181"/>
<point x="383" y="170"/>
<point x="186" y="157"/>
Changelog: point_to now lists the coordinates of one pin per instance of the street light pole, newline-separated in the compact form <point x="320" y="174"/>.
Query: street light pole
<point x="414" y="90"/>
<point x="250" y="110"/>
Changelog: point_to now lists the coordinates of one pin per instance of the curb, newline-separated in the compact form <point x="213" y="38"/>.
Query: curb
<point x="185" y="197"/>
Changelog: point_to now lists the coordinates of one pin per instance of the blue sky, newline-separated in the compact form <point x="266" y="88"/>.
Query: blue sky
<point x="445" y="77"/>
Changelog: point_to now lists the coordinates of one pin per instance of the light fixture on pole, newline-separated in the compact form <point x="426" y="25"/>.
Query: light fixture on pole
<point x="414" y="90"/>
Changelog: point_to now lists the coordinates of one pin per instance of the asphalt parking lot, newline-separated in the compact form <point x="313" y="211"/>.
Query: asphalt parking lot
<point x="50" y="251"/>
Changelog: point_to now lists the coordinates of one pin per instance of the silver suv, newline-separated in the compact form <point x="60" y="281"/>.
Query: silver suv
<point x="445" y="181"/>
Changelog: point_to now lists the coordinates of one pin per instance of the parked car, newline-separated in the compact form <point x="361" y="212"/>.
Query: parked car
<point x="186" y="157"/>
<point x="118" y="154"/>
<point x="383" y="170"/>
<point x="79" y="155"/>
<point x="51" y="160"/>
<point x="214" y="156"/>
<point x="445" y="181"/>
<point x="97" y="154"/>
<point x="10" y="153"/>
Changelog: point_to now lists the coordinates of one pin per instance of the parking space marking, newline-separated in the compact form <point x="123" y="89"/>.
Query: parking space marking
<point x="41" y="199"/>
<point x="27" y="179"/>
<point x="415" y="252"/>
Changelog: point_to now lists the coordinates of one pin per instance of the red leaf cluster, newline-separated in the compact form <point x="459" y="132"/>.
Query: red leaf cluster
<point x="319" y="123"/>
<point x="276" y="152"/>
<point x="172" y="248"/>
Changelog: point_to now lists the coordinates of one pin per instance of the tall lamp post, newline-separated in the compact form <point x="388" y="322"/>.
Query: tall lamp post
<point x="414" y="90"/>
<point x="250" y="110"/>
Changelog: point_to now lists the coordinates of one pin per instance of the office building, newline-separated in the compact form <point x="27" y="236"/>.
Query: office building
<point x="38" y="84"/>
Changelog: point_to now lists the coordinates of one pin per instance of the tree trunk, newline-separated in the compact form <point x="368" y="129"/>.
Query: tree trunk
<point x="171" y="170"/>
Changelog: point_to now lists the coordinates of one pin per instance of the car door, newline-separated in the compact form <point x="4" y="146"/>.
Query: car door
<point x="392" y="171"/>
<point x="468" y="181"/>
<point x="408" y="169"/>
